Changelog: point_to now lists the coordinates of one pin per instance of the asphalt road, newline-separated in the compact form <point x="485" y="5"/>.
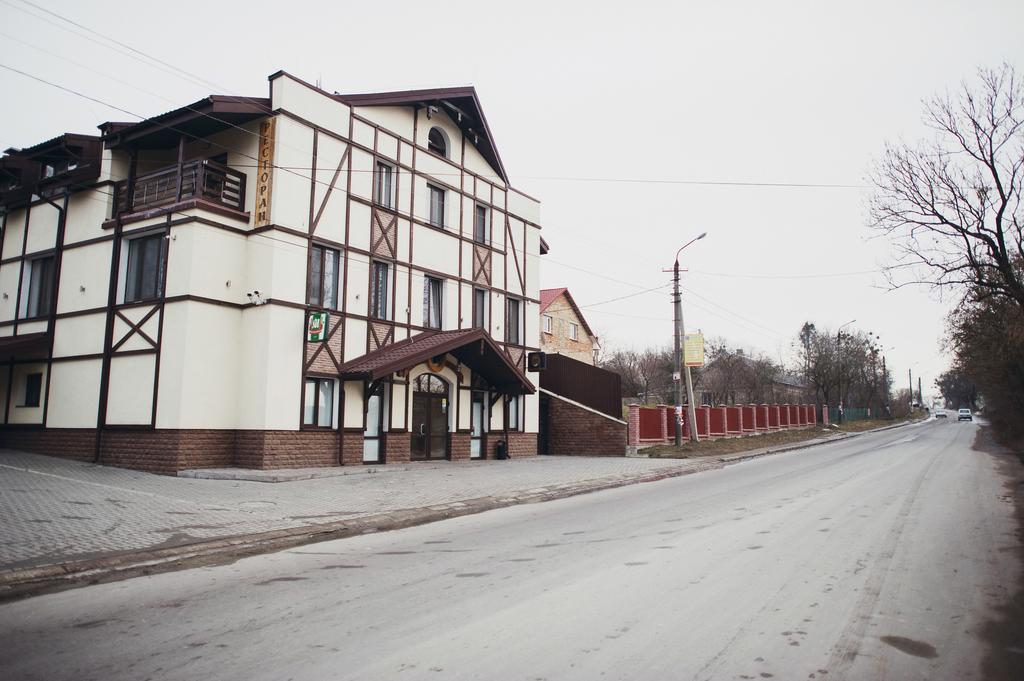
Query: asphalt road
<point x="888" y="556"/>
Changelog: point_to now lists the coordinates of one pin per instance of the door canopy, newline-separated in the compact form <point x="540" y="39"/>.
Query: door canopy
<point x="472" y="347"/>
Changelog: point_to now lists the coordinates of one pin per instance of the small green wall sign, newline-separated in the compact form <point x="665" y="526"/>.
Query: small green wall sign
<point x="316" y="326"/>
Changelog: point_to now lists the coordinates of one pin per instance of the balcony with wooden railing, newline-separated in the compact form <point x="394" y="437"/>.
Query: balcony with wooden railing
<point x="200" y="179"/>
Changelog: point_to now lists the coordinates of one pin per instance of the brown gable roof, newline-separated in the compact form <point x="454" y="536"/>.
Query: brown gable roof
<point x="472" y="347"/>
<point x="460" y="103"/>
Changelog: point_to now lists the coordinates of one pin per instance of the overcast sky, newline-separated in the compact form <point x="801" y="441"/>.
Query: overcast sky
<point x="628" y="121"/>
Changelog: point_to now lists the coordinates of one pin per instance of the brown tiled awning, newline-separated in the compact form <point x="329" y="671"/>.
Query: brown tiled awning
<point x="12" y="346"/>
<point x="472" y="347"/>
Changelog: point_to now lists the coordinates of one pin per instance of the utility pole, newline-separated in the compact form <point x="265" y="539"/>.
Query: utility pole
<point x="680" y="370"/>
<point x="839" y="351"/>
<point x="920" y="395"/>
<point x="910" y="377"/>
<point x="885" y="387"/>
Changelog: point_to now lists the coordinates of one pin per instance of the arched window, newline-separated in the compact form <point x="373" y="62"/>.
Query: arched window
<point x="437" y="142"/>
<point x="429" y="383"/>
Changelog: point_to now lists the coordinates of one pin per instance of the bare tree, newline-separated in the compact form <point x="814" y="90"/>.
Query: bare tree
<point x="953" y="204"/>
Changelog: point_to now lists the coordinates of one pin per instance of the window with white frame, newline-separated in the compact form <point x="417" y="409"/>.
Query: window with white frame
<point x="318" y="402"/>
<point x="481" y="219"/>
<point x="547" y="323"/>
<point x="144" y="271"/>
<point x="433" y="292"/>
<point x="436" y="206"/>
<point x="385" y="181"/>
<point x="380" y="291"/>
<point x="38" y="287"/>
<point x="574" y="331"/>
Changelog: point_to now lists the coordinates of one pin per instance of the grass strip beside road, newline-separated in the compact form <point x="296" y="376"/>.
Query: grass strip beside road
<point x="782" y="438"/>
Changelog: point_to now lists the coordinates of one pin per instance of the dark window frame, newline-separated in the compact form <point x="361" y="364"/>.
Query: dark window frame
<point x="480" y="313"/>
<point x="382" y="170"/>
<point x="41" y="290"/>
<point x="317" y="381"/>
<point x="517" y="400"/>
<point x="437" y="208"/>
<point x="481" y="225"/>
<point x="137" y="284"/>
<point x="510" y="303"/>
<point x="439" y="148"/>
<point x="379" y="306"/>
<point x="315" y="291"/>
<point x="33" y="389"/>
<point x="429" y="285"/>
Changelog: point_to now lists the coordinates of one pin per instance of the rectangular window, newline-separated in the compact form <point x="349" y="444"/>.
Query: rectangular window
<point x="379" y="292"/>
<point x="385" y="185"/>
<point x="574" y="331"/>
<point x="480" y="308"/>
<point x="513" y="405"/>
<point x="480" y="224"/>
<point x="436" y="206"/>
<point x="33" y="389"/>
<point x="432" y="292"/>
<point x="324" y="266"/>
<point x="513" y="323"/>
<point x="40" y="287"/>
<point x="547" y="323"/>
<point x="318" y="406"/>
<point x="145" y="275"/>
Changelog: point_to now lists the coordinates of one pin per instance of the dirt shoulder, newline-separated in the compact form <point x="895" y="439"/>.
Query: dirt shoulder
<point x="782" y="438"/>
<point x="1002" y="633"/>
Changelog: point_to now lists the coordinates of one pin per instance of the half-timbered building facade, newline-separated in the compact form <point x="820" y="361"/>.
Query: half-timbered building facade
<point x="304" y="279"/>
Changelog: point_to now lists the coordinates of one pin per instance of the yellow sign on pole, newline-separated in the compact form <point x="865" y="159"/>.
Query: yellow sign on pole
<point x="693" y="349"/>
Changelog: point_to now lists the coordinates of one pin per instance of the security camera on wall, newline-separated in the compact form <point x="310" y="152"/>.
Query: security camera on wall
<point x="255" y="298"/>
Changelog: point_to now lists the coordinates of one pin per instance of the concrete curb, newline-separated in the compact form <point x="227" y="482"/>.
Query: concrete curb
<point x="21" y="583"/>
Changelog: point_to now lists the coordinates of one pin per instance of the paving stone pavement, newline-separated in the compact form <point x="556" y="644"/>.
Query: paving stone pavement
<point x="56" y="511"/>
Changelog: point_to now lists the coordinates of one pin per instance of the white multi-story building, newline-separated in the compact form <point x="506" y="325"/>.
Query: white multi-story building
<point x="304" y="279"/>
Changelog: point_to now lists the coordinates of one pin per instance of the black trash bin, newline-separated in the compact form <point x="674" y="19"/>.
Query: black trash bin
<point x="501" y="450"/>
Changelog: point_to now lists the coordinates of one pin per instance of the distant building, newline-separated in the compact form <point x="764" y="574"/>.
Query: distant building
<point x="563" y="328"/>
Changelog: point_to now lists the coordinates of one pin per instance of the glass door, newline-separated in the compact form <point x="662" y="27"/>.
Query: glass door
<point x="374" y="426"/>
<point x="477" y="415"/>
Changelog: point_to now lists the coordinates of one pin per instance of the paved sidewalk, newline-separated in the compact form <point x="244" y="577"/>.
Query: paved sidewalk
<point x="58" y="512"/>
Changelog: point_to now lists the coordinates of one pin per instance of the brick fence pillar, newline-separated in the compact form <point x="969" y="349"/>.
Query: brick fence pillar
<point x="633" y="433"/>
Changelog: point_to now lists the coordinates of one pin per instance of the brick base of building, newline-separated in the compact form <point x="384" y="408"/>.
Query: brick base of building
<point x="397" y="447"/>
<point x="167" y="451"/>
<point x="578" y="432"/>
<point x="458" y="446"/>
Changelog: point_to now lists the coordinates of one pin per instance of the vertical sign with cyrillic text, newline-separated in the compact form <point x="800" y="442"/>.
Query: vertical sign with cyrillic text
<point x="264" y="172"/>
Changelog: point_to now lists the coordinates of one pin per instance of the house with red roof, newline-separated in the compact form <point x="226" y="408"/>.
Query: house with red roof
<point x="564" y="329"/>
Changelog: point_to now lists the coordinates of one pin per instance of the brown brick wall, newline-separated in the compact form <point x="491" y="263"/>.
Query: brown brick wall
<point x="352" y="449"/>
<point x="578" y="432"/>
<point x="521" y="445"/>
<point x="68" y="443"/>
<point x="396" y="447"/>
<point x="167" y="451"/>
<point x="270" y="449"/>
<point x="458" y="446"/>
<point x="153" y="451"/>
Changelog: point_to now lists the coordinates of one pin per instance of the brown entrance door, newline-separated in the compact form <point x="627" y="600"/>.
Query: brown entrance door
<point x="429" y="419"/>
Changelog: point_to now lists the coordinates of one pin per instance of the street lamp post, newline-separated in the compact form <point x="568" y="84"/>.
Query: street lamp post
<point x="839" y="350"/>
<point x="691" y="414"/>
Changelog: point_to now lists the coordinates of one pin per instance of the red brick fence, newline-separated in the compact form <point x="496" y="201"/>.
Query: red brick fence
<point x="656" y="425"/>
